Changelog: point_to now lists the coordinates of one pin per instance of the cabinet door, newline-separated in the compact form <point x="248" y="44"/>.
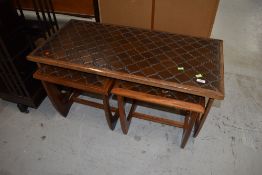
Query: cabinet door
<point x="189" y="17"/>
<point x="135" y="13"/>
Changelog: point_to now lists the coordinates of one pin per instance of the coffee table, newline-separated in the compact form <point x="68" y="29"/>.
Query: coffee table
<point x="171" y="61"/>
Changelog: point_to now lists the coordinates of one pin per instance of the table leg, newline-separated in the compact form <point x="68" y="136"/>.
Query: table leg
<point x="125" y="121"/>
<point x="58" y="99"/>
<point x="200" y="122"/>
<point x="190" y="120"/>
<point x="111" y="119"/>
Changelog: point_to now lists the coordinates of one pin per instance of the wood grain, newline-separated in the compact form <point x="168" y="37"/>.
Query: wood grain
<point x="76" y="7"/>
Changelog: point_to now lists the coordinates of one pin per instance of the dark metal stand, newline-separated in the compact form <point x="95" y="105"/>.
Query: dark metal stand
<point x="96" y="10"/>
<point x="16" y="81"/>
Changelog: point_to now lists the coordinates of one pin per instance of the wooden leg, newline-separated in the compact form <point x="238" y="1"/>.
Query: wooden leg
<point x="111" y="119"/>
<point x="58" y="99"/>
<point x="186" y="122"/>
<point x="190" y="120"/>
<point x="201" y="121"/>
<point x="125" y="121"/>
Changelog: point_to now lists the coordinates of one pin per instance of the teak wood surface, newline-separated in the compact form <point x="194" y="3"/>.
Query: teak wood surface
<point x="137" y="55"/>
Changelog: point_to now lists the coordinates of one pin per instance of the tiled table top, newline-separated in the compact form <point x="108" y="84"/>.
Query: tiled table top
<point x="137" y="55"/>
<point x="73" y="76"/>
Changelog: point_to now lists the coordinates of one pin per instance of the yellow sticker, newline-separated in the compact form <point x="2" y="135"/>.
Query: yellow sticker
<point x="199" y="75"/>
<point x="180" y="68"/>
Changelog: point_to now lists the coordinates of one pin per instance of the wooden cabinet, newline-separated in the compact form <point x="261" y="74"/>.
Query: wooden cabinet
<point x="76" y="7"/>
<point x="189" y="17"/>
<point x="135" y="13"/>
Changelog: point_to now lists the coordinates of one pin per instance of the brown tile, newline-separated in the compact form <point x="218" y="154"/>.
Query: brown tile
<point x="148" y="71"/>
<point x="182" y="78"/>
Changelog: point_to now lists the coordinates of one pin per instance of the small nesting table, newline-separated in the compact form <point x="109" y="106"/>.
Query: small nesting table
<point x="152" y="58"/>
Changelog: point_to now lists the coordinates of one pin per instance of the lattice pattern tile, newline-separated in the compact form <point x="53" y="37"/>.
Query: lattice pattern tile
<point x="72" y="75"/>
<point x="158" y="91"/>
